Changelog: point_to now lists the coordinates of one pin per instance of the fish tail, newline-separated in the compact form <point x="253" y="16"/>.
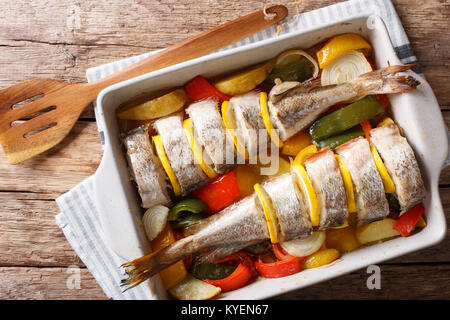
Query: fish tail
<point x="141" y="269"/>
<point x="390" y="81"/>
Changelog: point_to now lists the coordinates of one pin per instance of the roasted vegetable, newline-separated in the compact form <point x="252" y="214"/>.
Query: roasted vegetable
<point x="339" y="45"/>
<point x="321" y="258"/>
<point x="345" y="68"/>
<point x="191" y="288"/>
<point x="245" y="80"/>
<point x="305" y="246"/>
<point x="408" y="221"/>
<point x="376" y="231"/>
<point x="154" y="221"/>
<point x="295" y="144"/>
<point x="199" y="88"/>
<point x="189" y="206"/>
<point x="154" y="108"/>
<point x="339" y="139"/>
<point x="345" y="118"/>
<point x="343" y="239"/>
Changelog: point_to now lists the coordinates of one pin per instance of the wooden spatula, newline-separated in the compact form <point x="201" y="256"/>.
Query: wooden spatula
<point x="59" y="104"/>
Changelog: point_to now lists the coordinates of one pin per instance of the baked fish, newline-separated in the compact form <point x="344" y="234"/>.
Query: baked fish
<point x="210" y="132"/>
<point x="145" y="168"/>
<point x="179" y="153"/>
<point x="401" y="165"/>
<point x="323" y="170"/>
<point x="293" y="106"/>
<point x="371" y="202"/>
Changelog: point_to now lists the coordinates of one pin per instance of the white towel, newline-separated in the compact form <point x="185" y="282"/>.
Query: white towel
<point x="79" y="217"/>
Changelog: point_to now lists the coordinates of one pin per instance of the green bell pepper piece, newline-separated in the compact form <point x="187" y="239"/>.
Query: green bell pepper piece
<point x="186" y="220"/>
<point x="191" y="205"/>
<point x="337" y="140"/>
<point x="299" y="71"/>
<point x="207" y="270"/>
<point x="345" y="118"/>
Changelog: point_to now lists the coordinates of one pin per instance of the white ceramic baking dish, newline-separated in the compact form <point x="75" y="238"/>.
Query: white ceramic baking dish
<point x="417" y="112"/>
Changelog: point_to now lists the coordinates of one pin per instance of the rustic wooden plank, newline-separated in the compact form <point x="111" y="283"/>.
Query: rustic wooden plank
<point x="59" y="169"/>
<point x="47" y="284"/>
<point x="29" y="235"/>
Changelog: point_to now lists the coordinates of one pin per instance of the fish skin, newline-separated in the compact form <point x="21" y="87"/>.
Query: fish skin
<point x="145" y="168"/>
<point x="190" y="176"/>
<point x="371" y="202"/>
<point x="296" y="108"/>
<point x="289" y="206"/>
<point x="401" y="164"/>
<point x="323" y="170"/>
<point x="232" y="229"/>
<point x="211" y="133"/>
<point x="246" y="110"/>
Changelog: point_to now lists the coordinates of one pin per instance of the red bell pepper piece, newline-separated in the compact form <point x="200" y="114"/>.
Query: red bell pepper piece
<point x="407" y="221"/>
<point x="366" y="126"/>
<point x="239" y="278"/>
<point x="219" y="193"/>
<point x="383" y="100"/>
<point x="199" y="88"/>
<point x="239" y="257"/>
<point x="280" y="268"/>
<point x="279" y="252"/>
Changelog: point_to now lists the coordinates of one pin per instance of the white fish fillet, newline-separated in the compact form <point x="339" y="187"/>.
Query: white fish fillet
<point x="401" y="165"/>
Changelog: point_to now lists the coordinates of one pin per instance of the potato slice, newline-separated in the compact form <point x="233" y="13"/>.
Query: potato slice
<point x="377" y="231"/>
<point x="191" y="288"/>
<point x="144" y="109"/>
<point x="245" y="80"/>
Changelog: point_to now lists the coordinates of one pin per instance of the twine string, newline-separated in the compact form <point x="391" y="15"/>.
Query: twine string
<point x="271" y="16"/>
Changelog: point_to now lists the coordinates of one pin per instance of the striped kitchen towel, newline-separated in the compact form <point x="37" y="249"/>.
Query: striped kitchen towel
<point x="79" y="219"/>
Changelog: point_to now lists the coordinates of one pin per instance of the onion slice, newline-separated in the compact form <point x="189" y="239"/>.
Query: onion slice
<point x="298" y="52"/>
<point x="155" y="220"/>
<point x="305" y="246"/>
<point x="345" y="68"/>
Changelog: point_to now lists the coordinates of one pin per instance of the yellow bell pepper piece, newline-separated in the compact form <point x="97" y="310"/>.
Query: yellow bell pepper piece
<point x="321" y="258"/>
<point x="197" y="153"/>
<point x="297" y="143"/>
<point x="268" y="213"/>
<point x="154" y="108"/>
<point x="385" y="121"/>
<point x="229" y="124"/>
<point x="266" y="118"/>
<point x="421" y="223"/>
<point x="165" y="163"/>
<point x="389" y="185"/>
<point x="339" y="45"/>
<point x="176" y="272"/>
<point x="305" y="153"/>
<point x="246" y="176"/>
<point x="246" y="80"/>
<point x="348" y="184"/>
<point x="303" y="179"/>
<point x="343" y="239"/>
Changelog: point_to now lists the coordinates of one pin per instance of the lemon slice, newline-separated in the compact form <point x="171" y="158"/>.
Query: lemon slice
<point x="197" y="153"/>
<point x="165" y="163"/>
<point x="385" y="121"/>
<point x="306" y="186"/>
<point x="339" y="45"/>
<point x="268" y="213"/>
<point x="348" y="184"/>
<point x="389" y="185"/>
<point x="305" y="153"/>
<point x="227" y="119"/>
<point x="266" y="118"/>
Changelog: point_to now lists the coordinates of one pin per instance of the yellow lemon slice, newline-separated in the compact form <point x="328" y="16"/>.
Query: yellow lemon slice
<point x="385" y="121"/>
<point x="348" y="184"/>
<point x="227" y="120"/>
<point x="165" y="163"/>
<point x="339" y="45"/>
<point x="305" y="153"/>
<point x="310" y="195"/>
<point x="266" y="118"/>
<point x="268" y="213"/>
<point x="197" y="153"/>
<point x="389" y="185"/>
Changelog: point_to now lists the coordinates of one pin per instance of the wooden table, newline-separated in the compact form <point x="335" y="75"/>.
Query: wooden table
<point x="61" y="39"/>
